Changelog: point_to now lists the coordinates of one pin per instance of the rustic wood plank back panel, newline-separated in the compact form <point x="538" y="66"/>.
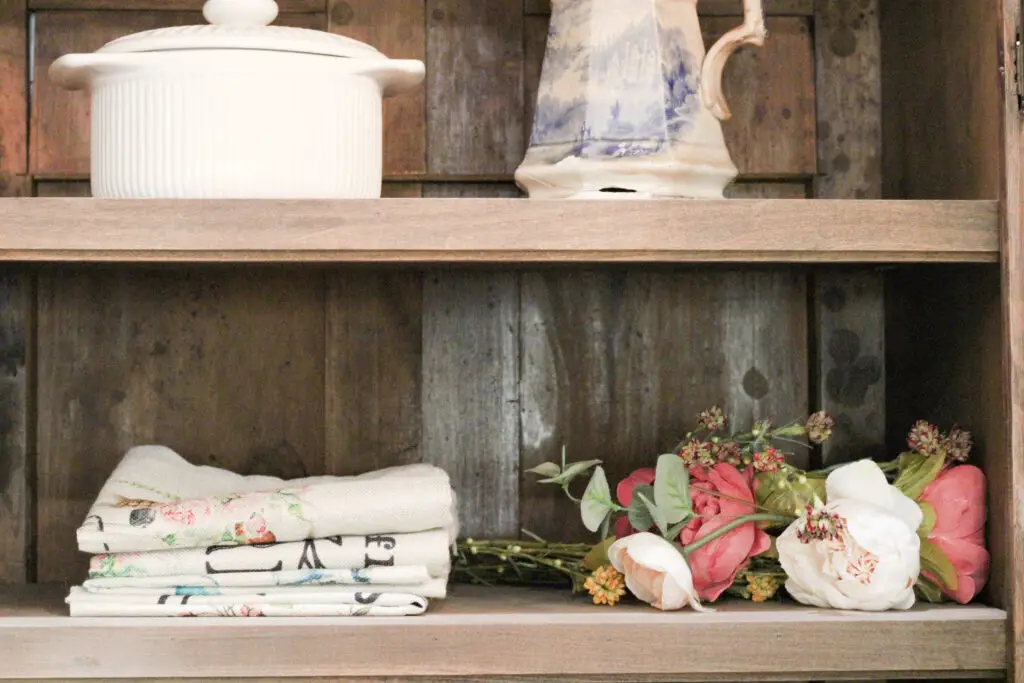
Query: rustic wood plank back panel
<point x="616" y="366"/>
<point x="941" y="89"/>
<point x="398" y="29"/>
<point x="13" y="92"/>
<point x="225" y="367"/>
<point x="61" y="118"/>
<point x="849" y="307"/>
<point x="16" y="292"/>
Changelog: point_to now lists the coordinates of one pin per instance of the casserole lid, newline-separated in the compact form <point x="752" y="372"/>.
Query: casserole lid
<point x="242" y="25"/>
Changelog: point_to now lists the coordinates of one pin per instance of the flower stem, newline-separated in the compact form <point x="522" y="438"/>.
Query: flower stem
<point x="739" y="521"/>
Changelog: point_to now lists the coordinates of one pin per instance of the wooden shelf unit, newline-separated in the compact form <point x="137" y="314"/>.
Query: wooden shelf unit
<point x="499" y="231"/>
<point x="485" y="632"/>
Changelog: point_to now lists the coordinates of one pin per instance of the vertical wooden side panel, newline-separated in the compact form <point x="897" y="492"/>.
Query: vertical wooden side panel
<point x="15" y="501"/>
<point x="474" y="86"/>
<point x="13" y="91"/>
<point x="849" y="306"/>
<point x="470" y="393"/>
<point x="225" y="366"/>
<point x="398" y="29"/>
<point x="617" y="364"/>
<point x="373" y="374"/>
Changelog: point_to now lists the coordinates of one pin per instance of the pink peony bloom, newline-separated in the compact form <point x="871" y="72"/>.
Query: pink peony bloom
<point x="958" y="497"/>
<point x="716" y="564"/>
<point x="624" y="492"/>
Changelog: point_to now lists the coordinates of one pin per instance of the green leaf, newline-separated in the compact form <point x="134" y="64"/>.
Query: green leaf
<point x="935" y="562"/>
<point x="571" y="471"/>
<point x="657" y="514"/>
<point x="929" y="521"/>
<point x="928" y="590"/>
<point x="916" y="472"/>
<point x="673" y="532"/>
<point x="596" y="502"/>
<point x="546" y="469"/>
<point x="640" y="517"/>
<point x="598" y="555"/>
<point x="672" y="488"/>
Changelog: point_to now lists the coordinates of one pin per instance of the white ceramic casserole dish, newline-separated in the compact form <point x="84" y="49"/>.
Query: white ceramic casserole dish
<point x="236" y="109"/>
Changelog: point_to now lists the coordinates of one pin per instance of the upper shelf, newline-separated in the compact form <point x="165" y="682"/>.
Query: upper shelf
<point x="498" y="231"/>
<point x="486" y="633"/>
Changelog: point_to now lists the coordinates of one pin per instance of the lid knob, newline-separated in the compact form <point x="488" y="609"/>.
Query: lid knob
<point x="240" y="12"/>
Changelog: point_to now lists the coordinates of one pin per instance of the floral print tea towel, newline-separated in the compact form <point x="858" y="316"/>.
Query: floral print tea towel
<point x="427" y="551"/>
<point x="311" y="604"/>
<point x="315" y="582"/>
<point x="376" y="576"/>
<point x="156" y="500"/>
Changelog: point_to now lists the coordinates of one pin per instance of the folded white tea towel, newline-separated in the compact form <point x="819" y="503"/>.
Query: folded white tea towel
<point x="155" y="500"/>
<point x="321" y="581"/>
<point x="399" y="576"/>
<point x="313" y="603"/>
<point x="430" y="549"/>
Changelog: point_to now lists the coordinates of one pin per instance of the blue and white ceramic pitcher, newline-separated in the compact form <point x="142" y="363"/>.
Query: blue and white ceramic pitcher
<point x="629" y="105"/>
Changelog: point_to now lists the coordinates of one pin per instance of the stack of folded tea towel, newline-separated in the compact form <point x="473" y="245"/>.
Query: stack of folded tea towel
<point x="173" y="539"/>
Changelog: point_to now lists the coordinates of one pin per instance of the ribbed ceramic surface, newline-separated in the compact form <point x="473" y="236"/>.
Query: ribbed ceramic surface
<point x="237" y="136"/>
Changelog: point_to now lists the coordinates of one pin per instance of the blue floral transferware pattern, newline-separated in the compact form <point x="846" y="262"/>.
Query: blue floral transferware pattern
<point x="620" y="104"/>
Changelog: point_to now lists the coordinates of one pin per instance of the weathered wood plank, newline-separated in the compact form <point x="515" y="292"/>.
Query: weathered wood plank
<point x="16" y="292"/>
<point x="398" y="29"/>
<point x="499" y="230"/>
<point x="63" y="188"/>
<point x="61" y="118"/>
<point x="849" y="305"/>
<point x="787" y="190"/>
<point x="617" y="364"/>
<point x="473" y="123"/>
<point x="373" y="374"/>
<point x="225" y="367"/>
<point x="770" y="90"/>
<point x="941" y="95"/>
<point x="13" y="91"/>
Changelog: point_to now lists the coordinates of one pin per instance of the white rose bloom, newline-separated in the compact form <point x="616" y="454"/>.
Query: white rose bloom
<point x="655" y="571"/>
<point x="860" y="551"/>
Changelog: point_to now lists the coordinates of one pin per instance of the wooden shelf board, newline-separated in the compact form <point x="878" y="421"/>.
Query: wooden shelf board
<point x="498" y="231"/>
<point x="505" y="632"/>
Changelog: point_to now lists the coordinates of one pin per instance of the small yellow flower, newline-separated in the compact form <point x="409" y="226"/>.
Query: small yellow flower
<point x="606" y="585"/>
<point x="763" y="587"/>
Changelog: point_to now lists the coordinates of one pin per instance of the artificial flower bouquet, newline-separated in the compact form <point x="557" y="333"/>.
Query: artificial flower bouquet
<point x="727" y="514"/>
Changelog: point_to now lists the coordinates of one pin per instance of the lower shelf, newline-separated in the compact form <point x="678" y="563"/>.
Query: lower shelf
<point x="507" y="632"/>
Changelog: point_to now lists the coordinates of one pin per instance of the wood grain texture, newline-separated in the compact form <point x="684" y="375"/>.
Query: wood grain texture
<point x="63" y="188"/>
<point x="849" y="306"/>
<point x="768" y="190"/>
<point x="307" y="6"/>
<point x="398" y="29"/>
<point x="617" y="365"/>
<point x="16" y="311"/>
<point x="225" y="367"/>
<point x="1007" y="465"/>
<point x="13" y="91"/>
<point x="941" y="99"/>
<point x="60" y="118"/>
<point x="508" y="632"/>
<point x="373" y="374"/>
<point x="771" y="93"/>
<point x="470" y="394"/>
<point x="498" y="230"/>
<point x="473" y="123"/>
<point x="711" y="7"/>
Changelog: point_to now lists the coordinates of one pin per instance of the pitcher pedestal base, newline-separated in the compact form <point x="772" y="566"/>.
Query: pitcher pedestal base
<point x="626" y="178"/>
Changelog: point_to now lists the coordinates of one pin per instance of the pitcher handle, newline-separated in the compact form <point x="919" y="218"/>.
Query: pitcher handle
<point x="751" y="32"/>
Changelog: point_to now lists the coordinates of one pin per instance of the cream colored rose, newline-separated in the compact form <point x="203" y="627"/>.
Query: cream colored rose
<point x="860" y="551"/>
<point x="655" y="571"/>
